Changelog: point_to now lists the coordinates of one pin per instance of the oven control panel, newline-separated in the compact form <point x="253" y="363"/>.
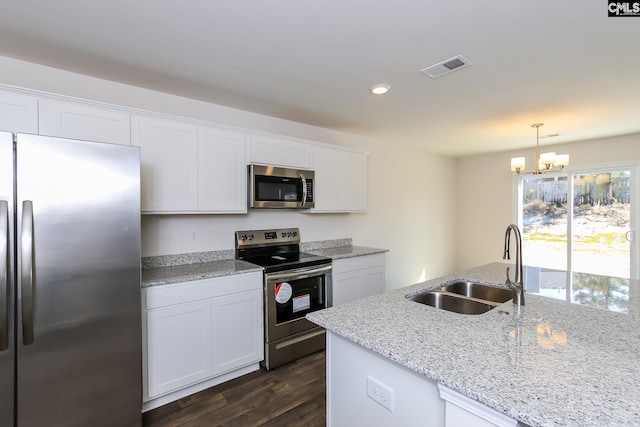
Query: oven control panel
<point x="278" y="236"/>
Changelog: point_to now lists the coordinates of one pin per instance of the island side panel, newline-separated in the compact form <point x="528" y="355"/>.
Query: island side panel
<point x="415" y="399"/>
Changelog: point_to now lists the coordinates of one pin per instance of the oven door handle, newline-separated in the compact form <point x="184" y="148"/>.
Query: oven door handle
<point x="301" y="273"/>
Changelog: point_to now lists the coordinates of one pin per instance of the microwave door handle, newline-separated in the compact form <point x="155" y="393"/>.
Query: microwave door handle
<point x="304" y="190"/>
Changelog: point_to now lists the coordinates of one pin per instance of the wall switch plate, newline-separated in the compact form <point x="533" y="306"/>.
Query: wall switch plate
<point x="380" y="393"/>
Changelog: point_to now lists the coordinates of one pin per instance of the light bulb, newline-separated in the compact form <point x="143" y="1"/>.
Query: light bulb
<point x="379" y="89"/>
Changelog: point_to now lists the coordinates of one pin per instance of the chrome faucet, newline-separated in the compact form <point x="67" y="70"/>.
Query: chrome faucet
<point x="517" y="286"/>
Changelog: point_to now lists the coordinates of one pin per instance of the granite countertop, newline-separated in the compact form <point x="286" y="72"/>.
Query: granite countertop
<point x="166" y="269"/>
<point x="552" y="363"/>
<point x="349" y="251"/>
<point x="187" y="272"/>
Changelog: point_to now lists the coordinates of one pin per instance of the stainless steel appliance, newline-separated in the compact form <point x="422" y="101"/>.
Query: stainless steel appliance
<point x="70" y="328"/>
<point x="272" y="187"/>
<point x="295" y="284"/>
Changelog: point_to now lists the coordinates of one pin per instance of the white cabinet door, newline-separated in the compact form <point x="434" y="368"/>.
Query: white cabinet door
<point x="345" y="287"/>
<point x="354" y="372"/>
<point x="18" y="113"/>
<point x="327" y="180"/>
<point x="195" y="333"/>
<point x="357" y="278"/>
<point x="462" y="411"/>
<point x="340" y="180"/>
<point x="179" y="346"/>
<point x="274" y="151"/>
<point x="352" y="169"/>
<point x="78" y="121"/>
<point x="222" y="174"/>
<point x="372" y="282"/>
<point x="169" y="164"/>
<point x="237" y="335"/>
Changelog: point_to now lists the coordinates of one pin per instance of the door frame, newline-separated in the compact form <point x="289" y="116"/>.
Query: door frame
<point x="591" y="169"/>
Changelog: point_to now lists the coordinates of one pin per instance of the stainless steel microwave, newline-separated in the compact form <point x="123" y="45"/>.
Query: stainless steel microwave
<point x="272" y="187"/>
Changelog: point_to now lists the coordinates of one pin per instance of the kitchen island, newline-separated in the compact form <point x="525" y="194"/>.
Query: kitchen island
<point x="551" y="363"/>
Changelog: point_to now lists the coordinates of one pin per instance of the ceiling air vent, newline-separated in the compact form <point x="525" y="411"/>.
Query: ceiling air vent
<point x="446" y="67"/>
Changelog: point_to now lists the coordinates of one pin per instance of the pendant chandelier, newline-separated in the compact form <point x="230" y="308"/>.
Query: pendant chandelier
<point x="545" y="162"/>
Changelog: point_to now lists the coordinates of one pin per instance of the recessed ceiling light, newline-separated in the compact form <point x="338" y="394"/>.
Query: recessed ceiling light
<point x="380" y="89"/>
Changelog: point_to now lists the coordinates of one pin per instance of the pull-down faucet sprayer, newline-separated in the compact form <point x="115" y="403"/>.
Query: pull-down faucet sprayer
<point x="517" y="286"/>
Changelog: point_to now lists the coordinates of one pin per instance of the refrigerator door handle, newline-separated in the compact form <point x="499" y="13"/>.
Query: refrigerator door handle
<point x="4" y="275"/>
<point x="27" y="272"/>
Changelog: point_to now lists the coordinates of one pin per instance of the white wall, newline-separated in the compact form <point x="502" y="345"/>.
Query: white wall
<point x="486" y="183"/>
<point x="410" y="201"/>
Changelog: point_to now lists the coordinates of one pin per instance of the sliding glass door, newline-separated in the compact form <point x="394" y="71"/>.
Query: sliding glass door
<point x="601" y="223"/>
<point x="544" y="220"/>
<point x="581" y="223"/>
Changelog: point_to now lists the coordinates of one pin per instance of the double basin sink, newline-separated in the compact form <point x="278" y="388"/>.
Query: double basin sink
<point x="464" y="297"/>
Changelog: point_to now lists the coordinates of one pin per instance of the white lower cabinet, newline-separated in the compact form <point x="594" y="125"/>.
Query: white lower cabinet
<point x="199" y="334"/>
<point x="179" y="346"/>
<point x="367" y="389"/>
<point x="358" y="277"/>
<point x="237" y="339"/>
<point x="461" y="411"/>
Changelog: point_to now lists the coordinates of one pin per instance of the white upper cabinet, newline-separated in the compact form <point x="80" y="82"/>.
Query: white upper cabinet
<point x="340" y="180"/>
<point x="273" y="151"/>
<point x="222" y="173"/>
<point x="18" y="113"/>
<point x="169" y="159"/>
<point x="79" y="121"/>
<point x="188" y="168"/>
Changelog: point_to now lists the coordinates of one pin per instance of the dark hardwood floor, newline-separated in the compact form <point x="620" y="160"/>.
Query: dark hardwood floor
<point x="291" y="395"/>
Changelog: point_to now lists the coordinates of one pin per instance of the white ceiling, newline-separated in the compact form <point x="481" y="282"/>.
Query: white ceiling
<point x="564" y="63"/>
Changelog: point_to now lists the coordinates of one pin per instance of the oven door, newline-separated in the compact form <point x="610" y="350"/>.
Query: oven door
<point x="290" y="295"/>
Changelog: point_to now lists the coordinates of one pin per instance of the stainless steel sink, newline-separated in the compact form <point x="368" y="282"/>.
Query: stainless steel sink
<point x="464" y="297"/>
<point x="479" y="291"/>
<point x="451" y="303"/>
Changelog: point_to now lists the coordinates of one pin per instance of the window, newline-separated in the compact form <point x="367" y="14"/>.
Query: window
<point x="580" y="223"/>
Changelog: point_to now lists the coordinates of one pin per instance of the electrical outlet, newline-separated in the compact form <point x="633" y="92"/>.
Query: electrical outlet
<point x="194" y="237"/>
<point x="380" y="393"/>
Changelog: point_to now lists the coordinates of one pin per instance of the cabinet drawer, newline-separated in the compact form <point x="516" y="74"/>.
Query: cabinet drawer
<point x="184" y="292"/>
<point x="358" y="263"/>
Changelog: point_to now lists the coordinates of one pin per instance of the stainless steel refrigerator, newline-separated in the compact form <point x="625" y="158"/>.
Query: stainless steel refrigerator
<point x="70" y="334"/>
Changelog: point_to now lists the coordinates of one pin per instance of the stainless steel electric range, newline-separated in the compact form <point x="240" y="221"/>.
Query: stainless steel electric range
<point x="295" y="283"/>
